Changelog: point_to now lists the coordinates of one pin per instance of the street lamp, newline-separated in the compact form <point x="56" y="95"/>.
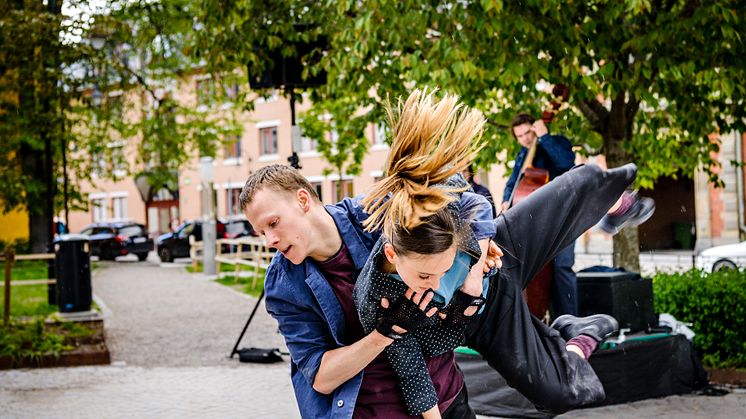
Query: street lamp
<point x="209" y="234"/>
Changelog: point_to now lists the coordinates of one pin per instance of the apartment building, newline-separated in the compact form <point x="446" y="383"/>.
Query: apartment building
<point x="266" y="139"/>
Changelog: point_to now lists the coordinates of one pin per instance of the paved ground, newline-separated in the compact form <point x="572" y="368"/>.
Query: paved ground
<point x="170" y="333"/>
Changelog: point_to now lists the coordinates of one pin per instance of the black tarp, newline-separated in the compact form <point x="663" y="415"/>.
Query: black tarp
<point x="633" y="370"/>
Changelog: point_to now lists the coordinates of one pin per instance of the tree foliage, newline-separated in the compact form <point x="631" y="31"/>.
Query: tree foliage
<point x="58" y="92"/>
<point x="649" y="80"/>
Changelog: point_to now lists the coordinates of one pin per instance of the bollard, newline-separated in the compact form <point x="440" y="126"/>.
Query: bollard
<point x="9" y="257"/>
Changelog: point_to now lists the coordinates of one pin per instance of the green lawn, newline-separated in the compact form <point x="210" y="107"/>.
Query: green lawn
<point x="31" y="300"/>
<point x="241" y="284"/>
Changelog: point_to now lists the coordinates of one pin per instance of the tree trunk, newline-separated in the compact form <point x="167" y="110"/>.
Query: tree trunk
<point x="626" y="248"/>
<point x="40" y="217"/>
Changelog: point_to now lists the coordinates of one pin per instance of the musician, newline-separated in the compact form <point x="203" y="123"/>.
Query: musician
<point x="553" y="153"/>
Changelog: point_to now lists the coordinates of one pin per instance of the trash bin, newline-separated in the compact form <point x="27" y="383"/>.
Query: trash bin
<point x="72" y="262"/>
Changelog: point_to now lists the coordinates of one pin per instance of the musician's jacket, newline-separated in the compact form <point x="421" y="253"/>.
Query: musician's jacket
<point x="553" y="153"/>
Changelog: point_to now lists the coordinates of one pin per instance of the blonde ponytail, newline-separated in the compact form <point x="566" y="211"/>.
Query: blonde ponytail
<point x="432" y="140"/>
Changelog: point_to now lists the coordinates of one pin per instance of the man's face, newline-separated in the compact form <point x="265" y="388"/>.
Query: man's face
<point x="421" y="272"/>
<point x="525" y="134"/>
<point x="282" y="218"/>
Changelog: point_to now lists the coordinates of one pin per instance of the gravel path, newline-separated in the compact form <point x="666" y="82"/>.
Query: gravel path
<point x="164" y="316"/>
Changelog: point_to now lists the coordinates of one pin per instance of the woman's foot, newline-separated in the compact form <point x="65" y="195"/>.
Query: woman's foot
<point x="633" y="211"/>
<point x="597" y="326"/>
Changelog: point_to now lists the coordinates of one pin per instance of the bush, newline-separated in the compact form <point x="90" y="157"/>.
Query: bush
<point x="715" y="304"/>
<point x="30" y="340"/>
<point x="20" y="246"/>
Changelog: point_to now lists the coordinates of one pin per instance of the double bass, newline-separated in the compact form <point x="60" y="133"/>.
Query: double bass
<point x="538" y="292"/>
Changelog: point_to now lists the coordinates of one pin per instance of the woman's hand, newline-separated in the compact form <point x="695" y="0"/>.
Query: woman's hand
<point x="494" y="257"/>
<point x="432" y="413"/>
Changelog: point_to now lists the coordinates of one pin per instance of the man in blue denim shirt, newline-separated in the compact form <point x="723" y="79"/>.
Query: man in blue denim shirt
<point x="326" y="364"/>
<point x="553" y="153"/>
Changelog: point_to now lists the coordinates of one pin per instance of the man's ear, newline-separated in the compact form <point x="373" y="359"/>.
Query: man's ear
<point x="304" y="199"/>
<point x="388" y="250"/>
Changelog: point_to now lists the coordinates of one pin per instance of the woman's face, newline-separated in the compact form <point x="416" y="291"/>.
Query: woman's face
<point x="421" y="272"/>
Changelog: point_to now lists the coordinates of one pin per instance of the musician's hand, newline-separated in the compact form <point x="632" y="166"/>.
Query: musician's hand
<point x="539" y="128"/>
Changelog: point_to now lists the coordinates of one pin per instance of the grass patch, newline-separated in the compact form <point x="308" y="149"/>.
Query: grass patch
<point x="244" y="284"/>
<point x="223" y="267"/>
<point x="32" y="300"/>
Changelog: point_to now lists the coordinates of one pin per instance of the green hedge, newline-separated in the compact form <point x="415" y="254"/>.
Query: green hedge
<point x="715" y="304"/>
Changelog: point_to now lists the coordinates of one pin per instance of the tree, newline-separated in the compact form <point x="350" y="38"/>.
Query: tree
<point x="649" y="80"/>
<point x="57" y="103"/>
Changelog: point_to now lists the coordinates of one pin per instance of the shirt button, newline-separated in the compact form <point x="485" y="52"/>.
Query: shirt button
<point x="340" y="403"/>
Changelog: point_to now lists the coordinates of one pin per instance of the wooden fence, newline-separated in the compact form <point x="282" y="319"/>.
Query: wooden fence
<point x="243" y="251"/>
<point x="9" y="258"/>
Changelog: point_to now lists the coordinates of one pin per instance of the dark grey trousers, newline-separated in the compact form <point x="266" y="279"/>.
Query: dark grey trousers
<point x="527" y="353"/>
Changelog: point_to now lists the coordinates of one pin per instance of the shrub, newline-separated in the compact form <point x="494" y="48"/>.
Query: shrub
<point x="30" y="340"/>
<point x="715" y="304"/>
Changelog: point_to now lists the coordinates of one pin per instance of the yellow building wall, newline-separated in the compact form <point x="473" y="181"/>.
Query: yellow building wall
<point x="14" y="225"/>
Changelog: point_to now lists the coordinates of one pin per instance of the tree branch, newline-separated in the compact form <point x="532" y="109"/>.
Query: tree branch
<point x="596" y="114"/>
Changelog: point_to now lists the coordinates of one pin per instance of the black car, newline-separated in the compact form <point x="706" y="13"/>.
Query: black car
<point x="238" y="227"/>
<point x="176" y="245"/>
<point x="112" y="239"/>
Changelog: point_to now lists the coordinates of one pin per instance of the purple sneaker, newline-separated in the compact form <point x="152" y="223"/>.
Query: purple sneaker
<point x="637" y="211"/>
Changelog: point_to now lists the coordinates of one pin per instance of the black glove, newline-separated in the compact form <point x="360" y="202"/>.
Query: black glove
<point x="403" y="313"/>
<point x="459" y="303"/>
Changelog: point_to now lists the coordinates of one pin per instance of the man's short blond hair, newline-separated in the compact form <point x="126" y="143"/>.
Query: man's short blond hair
<point x="276" y="177"/>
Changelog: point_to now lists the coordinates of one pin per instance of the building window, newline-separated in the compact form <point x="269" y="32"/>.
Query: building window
<point x="233" y="148"/>
<point x="119" y="207"/>
<point x="99" y="209"/>
<point x="205" y="91"/>
<point x="118" y="159"/>
<point x="268" y="140"/>
<point x="307" y="144"/>
<point x="346" y="189"/>
<point x="99" y="163"/>
<point x="379" y="135"/>
<point x="317" y="187"/>
<point x="231" y="89"/>
<point x="232" y="202"/>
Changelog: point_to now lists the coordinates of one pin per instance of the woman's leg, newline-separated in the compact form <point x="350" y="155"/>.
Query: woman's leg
<point x="529" y="355"/>
<point x="548" y="220"/>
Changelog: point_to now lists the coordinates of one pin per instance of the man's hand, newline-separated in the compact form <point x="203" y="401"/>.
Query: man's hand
<point x="504" y="206"/>
<point x="406" y="314"/>
<point x="539" y="128"/>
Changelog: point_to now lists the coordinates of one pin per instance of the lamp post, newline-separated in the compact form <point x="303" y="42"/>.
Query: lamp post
<point x="209" y="234"/>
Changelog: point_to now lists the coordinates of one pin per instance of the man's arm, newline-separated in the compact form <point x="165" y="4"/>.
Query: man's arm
<point x="313" y="350"/>
<point x="341" y="364"/>
<point x="559" y="151"/>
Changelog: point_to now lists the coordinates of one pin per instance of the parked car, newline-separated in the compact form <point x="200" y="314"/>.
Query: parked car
<point x="176" y="244"/>
<point x="729" y="256"/>
<point x="112" y="239"/>
<point x="238" y="227"/>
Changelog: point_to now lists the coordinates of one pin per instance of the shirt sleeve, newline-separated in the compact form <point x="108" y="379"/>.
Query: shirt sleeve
<point x="305" y="331"/>
<point x="559" y="151"/>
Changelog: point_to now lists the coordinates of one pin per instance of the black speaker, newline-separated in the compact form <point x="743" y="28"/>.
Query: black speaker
<point x="286" y="72"/>
<point x="624" y="295"/>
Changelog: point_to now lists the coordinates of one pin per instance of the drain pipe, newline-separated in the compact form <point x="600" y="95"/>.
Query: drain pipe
<point x="739" y="184"/>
